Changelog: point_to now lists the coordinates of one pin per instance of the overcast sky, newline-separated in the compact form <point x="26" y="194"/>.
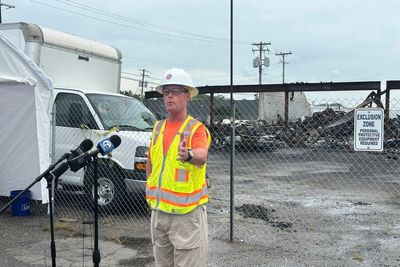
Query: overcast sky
<point x="338" y="40"/>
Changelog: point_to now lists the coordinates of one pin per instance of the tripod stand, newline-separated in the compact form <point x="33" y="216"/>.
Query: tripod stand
<point x="51" y="178"/>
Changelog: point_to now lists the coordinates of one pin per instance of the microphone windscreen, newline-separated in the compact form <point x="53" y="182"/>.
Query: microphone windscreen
<point x="86" y="145"/>
<point x="115" y="140"/>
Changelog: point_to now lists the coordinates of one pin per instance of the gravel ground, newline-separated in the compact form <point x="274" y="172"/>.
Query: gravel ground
<point x="293" y="207"/>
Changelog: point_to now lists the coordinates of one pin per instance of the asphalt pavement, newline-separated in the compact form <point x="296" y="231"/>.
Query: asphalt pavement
<point x="292" y="207"/>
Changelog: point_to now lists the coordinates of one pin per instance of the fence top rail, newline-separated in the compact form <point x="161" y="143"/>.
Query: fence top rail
<point x="395" y="84"/>
<point x="287" y="87"/>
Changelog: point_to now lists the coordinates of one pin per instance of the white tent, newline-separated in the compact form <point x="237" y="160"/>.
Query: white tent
<point x="25" y="93"/>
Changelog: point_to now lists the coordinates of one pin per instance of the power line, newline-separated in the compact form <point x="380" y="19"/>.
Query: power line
<point x="182" y="34"/>
<point x="274" y="48"/>
<point x="75" y="4"/>
<point x="141" y="80"/>
<point x="272" y="65"/>
<point x="130" y="79"/>
<point x="134" y="74"/>
<point x="116" y="23"/>
<point x="136" y="80"/>
<point x="130" y="73"/>
<point x="7" y="7"/>
<point x="96" y="10"/>
<point x="160" y="63"/>
<point x="116" y="16"/>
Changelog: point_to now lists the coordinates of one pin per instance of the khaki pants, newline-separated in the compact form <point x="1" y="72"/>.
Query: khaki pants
<point x="180" y="240"/>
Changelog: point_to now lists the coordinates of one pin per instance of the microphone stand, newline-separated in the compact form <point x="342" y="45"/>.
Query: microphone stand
<point x="86" y="160"/>
<point x="96" y="251"/>
<point x="51" y="180"/>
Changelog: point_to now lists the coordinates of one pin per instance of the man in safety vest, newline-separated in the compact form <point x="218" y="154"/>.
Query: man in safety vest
<point x="176" y="188"/>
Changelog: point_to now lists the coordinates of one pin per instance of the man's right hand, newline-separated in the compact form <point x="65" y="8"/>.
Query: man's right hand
<point x="182" y="149"/>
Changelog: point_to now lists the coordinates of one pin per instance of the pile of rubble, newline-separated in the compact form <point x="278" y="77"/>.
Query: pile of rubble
<point x="328" y="128"/>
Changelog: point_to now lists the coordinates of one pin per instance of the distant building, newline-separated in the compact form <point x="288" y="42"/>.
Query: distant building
<point x="245" y="109"/>
<point x="274" y="106"/>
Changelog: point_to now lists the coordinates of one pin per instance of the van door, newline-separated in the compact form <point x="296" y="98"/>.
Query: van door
<point x="73" y="123"/>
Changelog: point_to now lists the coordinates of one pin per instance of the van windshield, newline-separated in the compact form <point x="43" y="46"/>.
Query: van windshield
<point x="125" y="113"/>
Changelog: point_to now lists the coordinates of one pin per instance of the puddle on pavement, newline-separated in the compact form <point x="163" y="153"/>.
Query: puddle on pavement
<point x="144" y="248"/>
<point x="360" y="203"/>
<point x="136" y="262"/>
<point x="265" y="214"/>
<point x="135" y="243"/>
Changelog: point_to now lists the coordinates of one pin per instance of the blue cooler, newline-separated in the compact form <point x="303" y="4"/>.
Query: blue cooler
<point x="21" y="206"/>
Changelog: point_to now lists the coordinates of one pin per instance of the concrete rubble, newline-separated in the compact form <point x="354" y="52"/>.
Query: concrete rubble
<point x="328" y="129"/>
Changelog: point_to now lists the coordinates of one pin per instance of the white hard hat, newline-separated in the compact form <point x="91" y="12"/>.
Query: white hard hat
<point x="178" y="77"/>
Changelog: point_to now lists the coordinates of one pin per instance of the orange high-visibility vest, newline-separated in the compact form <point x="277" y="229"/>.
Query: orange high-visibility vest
<point x="174" y="186"/>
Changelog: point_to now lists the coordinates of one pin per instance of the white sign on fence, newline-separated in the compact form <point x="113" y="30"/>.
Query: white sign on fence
<point x="368" y="129"/>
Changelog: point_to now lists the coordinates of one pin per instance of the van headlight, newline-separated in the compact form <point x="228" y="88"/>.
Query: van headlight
<point x="141" y="158"/>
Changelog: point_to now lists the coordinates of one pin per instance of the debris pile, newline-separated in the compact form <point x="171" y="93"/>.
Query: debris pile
<point x="328" y="129"/>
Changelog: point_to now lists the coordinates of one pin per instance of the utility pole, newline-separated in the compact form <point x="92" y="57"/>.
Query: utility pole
<point x="7" y="7"/>
<point x="283" y="54"/>
<point x="143" y="83"/>
<point x="259" y="62"/>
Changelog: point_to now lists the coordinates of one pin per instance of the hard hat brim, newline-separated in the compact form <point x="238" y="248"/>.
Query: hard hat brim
<point x="193" y="91"/>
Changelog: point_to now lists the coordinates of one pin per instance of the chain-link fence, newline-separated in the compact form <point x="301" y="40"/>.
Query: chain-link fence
<point x="299" y="187"/>
<point x="120" y="174"/>
<point x="302" y="191"/>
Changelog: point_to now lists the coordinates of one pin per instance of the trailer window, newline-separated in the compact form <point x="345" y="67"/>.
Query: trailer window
<point x="72" y="111"/>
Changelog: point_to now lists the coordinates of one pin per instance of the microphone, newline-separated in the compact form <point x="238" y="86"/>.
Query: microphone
<point x="103" y="147"/>
<point x="85" y="146"/>
<point x="107" y="145"/>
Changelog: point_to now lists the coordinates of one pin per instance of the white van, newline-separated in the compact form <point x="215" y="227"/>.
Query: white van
<point x="85" y="103"/>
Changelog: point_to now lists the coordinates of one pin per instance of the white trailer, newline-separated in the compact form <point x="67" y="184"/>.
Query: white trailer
<point x="72" y="62"/>
<point x="83" y="103"/>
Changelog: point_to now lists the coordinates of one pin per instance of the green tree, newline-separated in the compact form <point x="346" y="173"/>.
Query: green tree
<point x="201" y="98"/>
<point x="224" y="112"/>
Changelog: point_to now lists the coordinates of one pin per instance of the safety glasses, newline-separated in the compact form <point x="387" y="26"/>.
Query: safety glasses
<point x="174" y="91"/>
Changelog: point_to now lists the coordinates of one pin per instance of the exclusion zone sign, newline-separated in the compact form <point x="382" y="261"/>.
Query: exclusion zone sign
<point x="368" y="129"/>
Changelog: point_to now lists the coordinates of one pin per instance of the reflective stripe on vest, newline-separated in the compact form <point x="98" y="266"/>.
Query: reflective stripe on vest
<point x="174" y="186"/>
<point x="178" y="199"/>
<point x="157" y="129"/>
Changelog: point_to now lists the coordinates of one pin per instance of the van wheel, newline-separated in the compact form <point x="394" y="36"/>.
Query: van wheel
<point x="111" y="188"/>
